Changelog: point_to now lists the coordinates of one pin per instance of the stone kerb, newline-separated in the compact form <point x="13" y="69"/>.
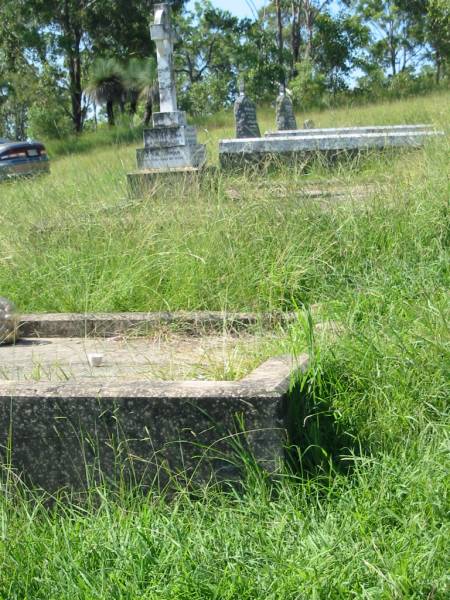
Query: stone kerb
<point x="112" y="324"/>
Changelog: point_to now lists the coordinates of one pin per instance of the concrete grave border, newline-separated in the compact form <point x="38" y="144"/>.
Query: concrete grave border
<point x="139" y="323"/>
<point x="74" y="434"/>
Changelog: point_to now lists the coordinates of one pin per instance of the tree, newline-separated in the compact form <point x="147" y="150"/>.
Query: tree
<point x="438" y="34"/>
<point x="107" y="85"/>
<point x="338" y="41"/>
<point x="141" y="82"/>
<point x="75" y="30"/>
<point x="209" y="48"/>
<point x="397" y="43"/>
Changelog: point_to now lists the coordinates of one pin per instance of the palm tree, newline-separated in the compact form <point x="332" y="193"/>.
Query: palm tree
<point x="107" y="85"/>
<point x="132" y="81"/>
<point x="141" y="82"/>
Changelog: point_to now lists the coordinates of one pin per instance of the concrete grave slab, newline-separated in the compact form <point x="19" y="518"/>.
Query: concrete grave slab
<point x="162" y="356"/>
<point x="350" y="130"/>
<point x="238" y="151"/>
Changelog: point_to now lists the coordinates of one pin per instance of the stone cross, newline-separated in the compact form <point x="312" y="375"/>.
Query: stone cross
<point x="164" y="36"/>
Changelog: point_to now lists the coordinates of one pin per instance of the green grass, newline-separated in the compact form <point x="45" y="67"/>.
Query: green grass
<point x="369" y="517"/>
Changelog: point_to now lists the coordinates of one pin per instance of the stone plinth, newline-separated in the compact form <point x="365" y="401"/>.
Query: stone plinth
<point x="170" y="144"/>
<point x="142" y="183"/>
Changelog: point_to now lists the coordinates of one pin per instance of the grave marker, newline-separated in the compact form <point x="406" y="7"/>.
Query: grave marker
<point x="246" y="117"/>
<point x="285" y="117"/>
<point x="170" y="146"/>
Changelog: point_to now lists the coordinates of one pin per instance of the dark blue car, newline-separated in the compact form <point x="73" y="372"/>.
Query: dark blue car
<point x="22" y="159"/>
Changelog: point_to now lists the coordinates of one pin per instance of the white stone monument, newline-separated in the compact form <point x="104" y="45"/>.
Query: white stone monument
<point x="171" y="144"/>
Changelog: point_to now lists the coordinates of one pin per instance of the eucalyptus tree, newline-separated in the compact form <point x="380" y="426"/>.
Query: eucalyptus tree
<point x="438" y="35"/>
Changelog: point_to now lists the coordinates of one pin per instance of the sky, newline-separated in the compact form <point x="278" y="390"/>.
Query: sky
<point x="240" y="8"/>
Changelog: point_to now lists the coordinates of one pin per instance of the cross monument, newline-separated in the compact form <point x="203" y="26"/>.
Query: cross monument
<point x="163" y="35"/>
<point x="171" y="144"/>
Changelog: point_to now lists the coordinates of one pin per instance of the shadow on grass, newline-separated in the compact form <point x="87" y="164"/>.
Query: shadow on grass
<point x="317" y="443"/>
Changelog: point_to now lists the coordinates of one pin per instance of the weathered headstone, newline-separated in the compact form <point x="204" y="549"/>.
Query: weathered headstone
<point x="285" y="117"/>
<point x="245" y="115"/>
<point x="170" y="145"/>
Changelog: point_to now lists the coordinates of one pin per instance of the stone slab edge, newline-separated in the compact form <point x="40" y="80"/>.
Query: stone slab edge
<point x="312" y="143"/>
<point x="68" y="435"/>
<point x="272" y="379"/>
<point x="111" y="324"/>
<point x="350" y="130"/>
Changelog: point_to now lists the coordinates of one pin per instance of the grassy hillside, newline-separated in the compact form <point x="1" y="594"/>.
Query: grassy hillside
<point x="72" y="241"/>
<point x="370" y="251"/>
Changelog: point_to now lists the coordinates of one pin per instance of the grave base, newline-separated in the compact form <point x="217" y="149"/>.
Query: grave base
<point x="142" y="183"/>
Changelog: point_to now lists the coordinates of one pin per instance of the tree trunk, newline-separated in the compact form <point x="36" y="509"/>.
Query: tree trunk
<point x="295" y="37"/>
<point x="148" y="108"/>
<point x="134" y="97"/>
<point x="110" y="113"/>
<point x="72" y="31"/>
<point x="280" y="43"/>
<point x="438" y="67"/>
<point x="309" y="21"/>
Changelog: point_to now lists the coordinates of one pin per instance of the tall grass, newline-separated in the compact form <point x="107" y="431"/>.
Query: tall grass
<point x="370" y="519"/>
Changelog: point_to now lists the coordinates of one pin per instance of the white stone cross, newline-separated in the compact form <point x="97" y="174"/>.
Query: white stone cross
<point x="163" y="35"/>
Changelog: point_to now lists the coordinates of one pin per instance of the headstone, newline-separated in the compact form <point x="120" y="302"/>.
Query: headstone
<point x="285" y="117"/>
<point x="309" y="124"/>
<point x="245" y="115"/>
<point x="9" y="322"/>
<point x="171" y="144"/>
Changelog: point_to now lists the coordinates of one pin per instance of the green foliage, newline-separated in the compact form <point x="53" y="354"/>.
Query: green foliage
<point x="107" y="84"/>
<point x="438" y="35"/>
<point x="48" y="121"/>
<point x="308" y="87"/>
<point x="52" y="48"/>
<point x="206" y="97"/>
<point x="338" y="41"/>
<point x="208" y="54"/>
